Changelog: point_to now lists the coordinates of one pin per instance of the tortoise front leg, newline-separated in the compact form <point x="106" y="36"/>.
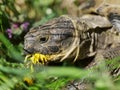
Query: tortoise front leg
<point x="109" y="57"/>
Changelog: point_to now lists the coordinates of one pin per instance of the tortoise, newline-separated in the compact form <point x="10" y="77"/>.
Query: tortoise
<point x="77" y="38"/>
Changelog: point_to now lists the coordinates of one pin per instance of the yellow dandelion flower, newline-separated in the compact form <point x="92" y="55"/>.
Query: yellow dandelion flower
<point x="37" y="58"/>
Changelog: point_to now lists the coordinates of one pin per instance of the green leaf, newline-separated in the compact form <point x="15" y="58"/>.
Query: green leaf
<point x="13" y="53"/>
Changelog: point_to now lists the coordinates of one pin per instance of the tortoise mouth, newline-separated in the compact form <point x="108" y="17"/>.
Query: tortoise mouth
<point x="26" y="52"/>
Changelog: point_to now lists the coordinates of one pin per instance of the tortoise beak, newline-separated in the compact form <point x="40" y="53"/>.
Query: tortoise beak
<point x="26" y="52"/>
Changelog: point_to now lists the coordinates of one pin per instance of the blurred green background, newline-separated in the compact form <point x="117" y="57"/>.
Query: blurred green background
<point x="16" y="18"/>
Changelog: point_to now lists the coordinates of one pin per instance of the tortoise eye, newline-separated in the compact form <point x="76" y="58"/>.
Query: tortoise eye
<point x="43" y="39"/>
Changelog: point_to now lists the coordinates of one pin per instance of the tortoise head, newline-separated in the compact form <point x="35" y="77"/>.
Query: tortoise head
<point x="53" y="38"/>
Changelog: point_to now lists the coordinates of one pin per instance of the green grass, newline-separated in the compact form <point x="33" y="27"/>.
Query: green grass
<point x="12" y="77"/>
